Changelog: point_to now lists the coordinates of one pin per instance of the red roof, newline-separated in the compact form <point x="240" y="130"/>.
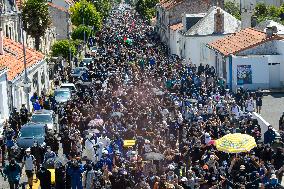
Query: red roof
<point x="19" y="3"/>
<point x="242" y="40"/>
<point x="168" y="4"/>
<point x="176" y="26"/>
<point x="13" y="58"/>
<point x="57" y="7"/>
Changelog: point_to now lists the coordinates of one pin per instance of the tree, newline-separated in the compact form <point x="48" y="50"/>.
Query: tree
<point x="281" y="12"/>
<point x="260" y="10"/>
<point x="273" y="11"/>
<point x="78" y="33"/>
<point x="84" y="12"/>
<point x="146" y="8"/>
<point x="103" y="6"/>
<point x="61" y="48"/>
<point x="36" y="19"/>
<point x="232" y="9"/>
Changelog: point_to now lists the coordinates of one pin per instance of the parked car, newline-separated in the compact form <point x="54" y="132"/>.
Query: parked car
<point x="46" y="117"/>
<point x="87" y="61"/>
<point x="62" y="95"/>
<point x="94" y="51"/>
<point x="30" y="133"/>
<point x="77" y="72"/>
<point x="70" y="86"/>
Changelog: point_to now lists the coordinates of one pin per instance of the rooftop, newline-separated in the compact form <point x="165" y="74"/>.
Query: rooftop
<point x="195" y="15"/>
<point x="57" y="7"/>
<point x="269" y="23"/>
<point x="13" y="57"/>
<point x="177" y="26"/>
<point x="206" y="25"/>
<point x="168" y="4"/>
<point x="242" y="40"/>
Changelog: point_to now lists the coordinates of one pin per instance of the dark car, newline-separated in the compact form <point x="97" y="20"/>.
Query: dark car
<point x="30" y="133"/>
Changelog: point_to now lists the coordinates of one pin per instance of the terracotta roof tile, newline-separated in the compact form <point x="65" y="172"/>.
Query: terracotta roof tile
<point x="57" y="7"/>
<point x="240" y="41"/>
<point x="176" y="26"/>
<point x="19" y="3"/>
<point x="171" y="3"/>
<point x="13" y="58"/>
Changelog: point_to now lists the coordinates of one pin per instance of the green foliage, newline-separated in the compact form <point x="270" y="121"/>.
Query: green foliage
<point x="281" y="12"/>
<point x="84" y="12"/>
<point x="103" y="6"/>
<point x="233" y="9"/>
<point x="260" y="10"/>
<point x="271" y="12"/>
<point x="36" y="19"/>
<point x="78" y="32"/>
<point x="146" y="8"/>
<point x="61" y="48"/>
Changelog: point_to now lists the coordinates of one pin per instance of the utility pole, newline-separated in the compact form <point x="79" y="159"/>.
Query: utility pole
<point x="69" y="38"/>
<point x="26" y="80"/>
<point x="84" y="36"/>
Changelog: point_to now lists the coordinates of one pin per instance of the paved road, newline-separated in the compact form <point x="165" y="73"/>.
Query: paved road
<point x="273" y="106"/>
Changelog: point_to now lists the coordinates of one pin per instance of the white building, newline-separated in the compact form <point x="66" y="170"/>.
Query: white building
<point x="279" y="28"/>
<point x="4" y="108"/>
<point x="11" y="56"/>
<point x="250" y="58"/>
<point x="200" y="29"/>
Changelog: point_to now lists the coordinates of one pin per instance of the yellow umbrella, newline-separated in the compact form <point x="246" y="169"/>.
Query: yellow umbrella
<point x="235" y="143"/>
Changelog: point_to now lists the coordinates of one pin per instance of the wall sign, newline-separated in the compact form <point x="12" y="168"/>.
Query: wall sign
<point x="244" y="74"/>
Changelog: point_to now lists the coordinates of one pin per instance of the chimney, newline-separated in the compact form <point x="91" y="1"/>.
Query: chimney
<point x="253" y="21"/>
<point x="269" y="32"/>
<point x="1" y="42"/>
<point x="219" y="21"/>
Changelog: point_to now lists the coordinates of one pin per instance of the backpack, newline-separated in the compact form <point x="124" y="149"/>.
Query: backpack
<point x="25" y="157"/>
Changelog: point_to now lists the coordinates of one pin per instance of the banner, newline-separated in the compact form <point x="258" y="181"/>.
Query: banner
<point x="244" y="74"/>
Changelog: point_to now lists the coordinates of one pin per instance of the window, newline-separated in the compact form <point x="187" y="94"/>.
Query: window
<point x="7" y="32"/>
<point x="203" y="52"/>
<point x="43" y="78"/>
<point x="10" y="32"/>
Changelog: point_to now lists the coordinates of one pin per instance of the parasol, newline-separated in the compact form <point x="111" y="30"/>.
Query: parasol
<point x="118" y="114"/>
<point x="153" y="156"/>
<point x="96" y="122"/>
<point x="235" y="143"/>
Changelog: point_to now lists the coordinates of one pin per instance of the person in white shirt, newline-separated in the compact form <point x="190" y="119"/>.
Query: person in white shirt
<point x="250" y="105"/>
<point x="235" y="110"/>
<point x="29" y="163"/>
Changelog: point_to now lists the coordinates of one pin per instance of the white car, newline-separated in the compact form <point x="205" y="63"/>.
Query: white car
<point x="70" y="86"/>
<point x="46" y="117"/>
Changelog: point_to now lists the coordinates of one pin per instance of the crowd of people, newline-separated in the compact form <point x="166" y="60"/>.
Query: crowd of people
<point x="171" y="108"/>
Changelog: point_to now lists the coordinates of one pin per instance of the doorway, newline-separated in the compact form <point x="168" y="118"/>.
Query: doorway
<point x="274" y="75"/>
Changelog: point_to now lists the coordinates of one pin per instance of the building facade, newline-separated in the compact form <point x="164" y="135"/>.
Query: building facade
<point x="257" y="60"/>
<point x="200" y="29"/>
<point x="169" y="12"/>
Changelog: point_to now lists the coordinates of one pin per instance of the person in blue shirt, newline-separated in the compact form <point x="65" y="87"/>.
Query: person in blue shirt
<point x="13" y="172"/>
<point x="36" y="105"/>
<point x="75" y="172"/>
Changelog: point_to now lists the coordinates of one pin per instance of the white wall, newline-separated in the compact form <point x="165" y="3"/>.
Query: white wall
<point x="4" y="108"/>
<point x="174" y="42"/>
<point x="196" y="50"/>
<point x="280" y="50"/>
<point x="260" y="70"/>
<point x="19" y="96"/>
